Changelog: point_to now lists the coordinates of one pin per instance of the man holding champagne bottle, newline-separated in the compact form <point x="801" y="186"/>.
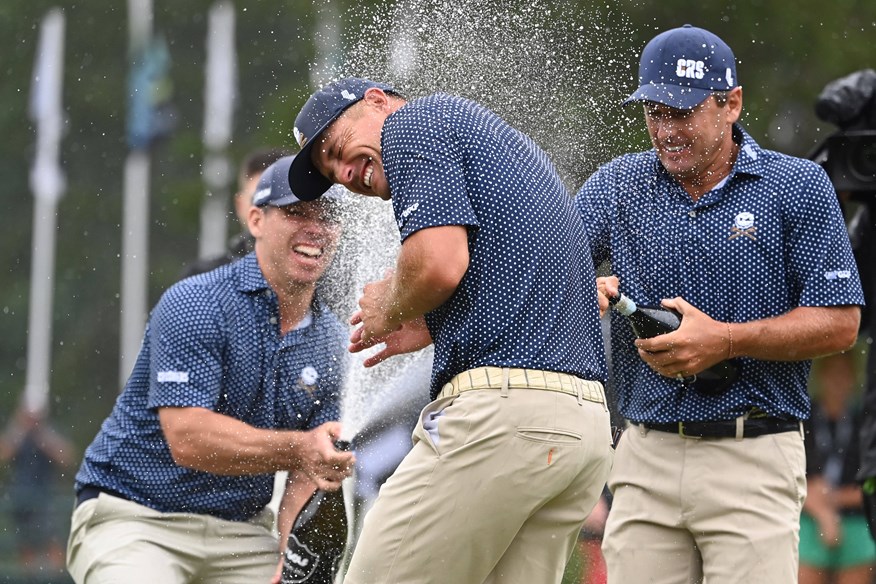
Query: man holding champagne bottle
<point x="749" y="248"/>
<point x="238" y="377"/>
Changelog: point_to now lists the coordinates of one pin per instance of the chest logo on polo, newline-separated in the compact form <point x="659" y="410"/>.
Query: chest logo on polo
<point x="307" y="379"/>
<point x="743" y="225"/>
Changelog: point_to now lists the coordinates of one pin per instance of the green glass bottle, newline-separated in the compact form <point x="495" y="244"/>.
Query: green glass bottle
<point x="318" y="538"/>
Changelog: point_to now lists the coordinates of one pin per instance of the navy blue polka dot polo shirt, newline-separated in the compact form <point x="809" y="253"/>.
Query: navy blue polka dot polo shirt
<point x="769" y="239"/>
<point x="214" y="341"/>
<point x="528" y="298"/>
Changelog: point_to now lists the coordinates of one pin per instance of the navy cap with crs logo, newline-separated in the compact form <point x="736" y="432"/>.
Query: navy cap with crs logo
<point x="323" y="108"/>
<point x="683" y="66"/>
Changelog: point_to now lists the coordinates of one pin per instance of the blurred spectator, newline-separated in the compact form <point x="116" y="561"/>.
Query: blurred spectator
<point x="834" y="541"/>
<point x="38" y="455"/>
<point x="247" y="178"/>
<point x="587" y="565"/>
<point x="862" y="230"/>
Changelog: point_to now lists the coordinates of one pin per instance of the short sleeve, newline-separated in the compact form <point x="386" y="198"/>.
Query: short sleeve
<point x="426" y="174"/>
<point x="187" y="342"/>
<point x="594" y="201"/>
<point x="820" y="256"/>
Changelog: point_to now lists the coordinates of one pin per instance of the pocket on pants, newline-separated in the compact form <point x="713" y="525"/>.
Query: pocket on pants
<point x="548" y="435"/>
<point x="428" y="422"/>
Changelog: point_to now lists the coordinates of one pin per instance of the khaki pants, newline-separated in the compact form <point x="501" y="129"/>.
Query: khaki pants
<point x="499" y="498"/>
<point x="719" y="511"/>
<point x="113" y="541"/>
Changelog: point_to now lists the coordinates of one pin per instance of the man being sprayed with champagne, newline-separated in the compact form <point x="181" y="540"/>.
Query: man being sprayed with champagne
<point x="749" y="247"/>
<point x="512" y="454"/>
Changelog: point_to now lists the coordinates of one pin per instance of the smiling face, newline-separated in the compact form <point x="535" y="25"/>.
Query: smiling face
<point x="295" y="244"/>
<point x="348" y="151"/>
<point x="695" y="146"/>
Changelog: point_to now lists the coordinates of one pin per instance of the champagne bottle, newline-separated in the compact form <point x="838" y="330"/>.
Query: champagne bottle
<point x="318" y="537"/>
<point x="651" y="321"/>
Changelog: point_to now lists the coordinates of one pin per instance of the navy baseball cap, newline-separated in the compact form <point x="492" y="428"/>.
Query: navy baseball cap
<point x="323" y="108"/>
<point x="683" y="66"/>
<point x="273" y="188"/>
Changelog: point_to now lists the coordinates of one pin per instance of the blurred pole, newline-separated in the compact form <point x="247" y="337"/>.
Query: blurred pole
<point x="47" y="184"/>
<point x="220" y="93"/>
<point x="328" y="45"/>
<point x="135" y="216"/>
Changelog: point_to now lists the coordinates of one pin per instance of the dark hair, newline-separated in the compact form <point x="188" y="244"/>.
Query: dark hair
<point x="258" y="160"/>
<point x="721" y="97"/>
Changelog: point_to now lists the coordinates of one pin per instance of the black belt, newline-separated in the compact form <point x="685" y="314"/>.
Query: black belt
<point x="751" y="428"/>
<point x="90" y="492"/>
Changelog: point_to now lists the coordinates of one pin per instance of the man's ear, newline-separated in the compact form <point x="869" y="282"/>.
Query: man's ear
<point x="734" y="104"/>
<point x="375" y="96"/>
<point x="255" y="220"/>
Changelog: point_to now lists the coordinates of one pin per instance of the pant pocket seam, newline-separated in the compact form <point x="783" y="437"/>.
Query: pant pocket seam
<point x="549" y="435"/>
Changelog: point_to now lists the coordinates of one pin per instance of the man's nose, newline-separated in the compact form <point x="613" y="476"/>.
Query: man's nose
<point x="665" y="127"/>
<point x="346" y="172"/>
<point x="317" y="226"/>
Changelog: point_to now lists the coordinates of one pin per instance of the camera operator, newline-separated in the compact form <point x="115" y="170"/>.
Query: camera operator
<point x="849" y="157"/>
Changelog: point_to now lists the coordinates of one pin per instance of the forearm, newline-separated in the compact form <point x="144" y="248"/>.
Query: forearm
<point x="819" y="499"/>
<point x="204" y="440"/>
<point x="430" y="266"/>
<point x="412" y="294"/>
<point x="848" y="497"/>
<point x="299" y="488"/>
<point x="803" y="333"/>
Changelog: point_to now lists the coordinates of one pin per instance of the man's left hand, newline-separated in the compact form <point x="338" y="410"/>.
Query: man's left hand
<point x="699" y="343"/>
<point x="373" y="314"/>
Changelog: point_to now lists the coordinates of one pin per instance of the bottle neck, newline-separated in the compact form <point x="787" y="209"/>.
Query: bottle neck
<point x="622" y="304"/>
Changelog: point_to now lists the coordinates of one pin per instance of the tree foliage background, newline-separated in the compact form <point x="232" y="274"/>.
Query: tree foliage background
<point x="786" y="54"/>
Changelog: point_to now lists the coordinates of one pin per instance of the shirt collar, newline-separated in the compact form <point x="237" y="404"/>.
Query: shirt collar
<point x="750" y="160"/>
<point x="249" y="275"/>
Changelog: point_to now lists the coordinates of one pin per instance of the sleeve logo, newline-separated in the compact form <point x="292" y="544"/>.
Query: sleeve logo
<point x="173" y="376"/>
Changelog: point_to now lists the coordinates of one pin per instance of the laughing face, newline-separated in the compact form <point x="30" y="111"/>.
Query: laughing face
<point x="348" y="151"/>
<point x="295" y="244"/>
<point x="696" y="145"/>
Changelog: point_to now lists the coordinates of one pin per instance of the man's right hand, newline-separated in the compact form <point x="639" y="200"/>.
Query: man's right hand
<point x="321" y="461"/>
<point x="606" y="287"/>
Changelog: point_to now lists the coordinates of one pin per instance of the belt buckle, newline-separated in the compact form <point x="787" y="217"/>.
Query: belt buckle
<point x="686" y="436"/>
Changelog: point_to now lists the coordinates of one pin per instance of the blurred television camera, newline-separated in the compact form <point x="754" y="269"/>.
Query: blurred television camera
<point x="849" y="154"/>
<point x="849" y="157"/>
